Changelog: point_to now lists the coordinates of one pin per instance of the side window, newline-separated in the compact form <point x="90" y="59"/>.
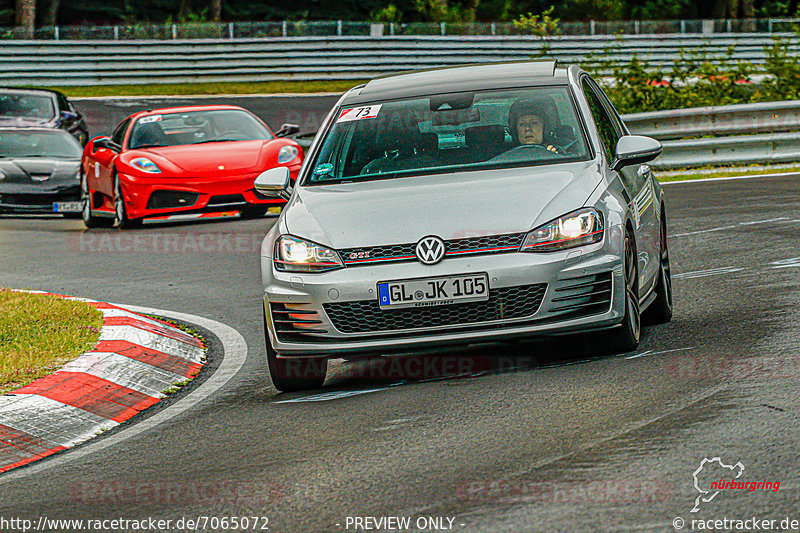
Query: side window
<point x="609" y="135"/>
<point x="62" y="102"/>
<point x="119" y="133"/>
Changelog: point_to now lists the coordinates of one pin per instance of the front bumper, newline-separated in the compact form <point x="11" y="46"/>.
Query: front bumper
<point x="39" y="201"/>
<point x="155" y="195"/>
<point x="313" y="299"/>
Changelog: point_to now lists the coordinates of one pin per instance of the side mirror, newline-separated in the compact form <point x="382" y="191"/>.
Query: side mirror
<point x="105" y="142"/>
<point x="635" y="149"/>
<point x="68" y="115"/>
<point x="287" y="129"/>
<point x="274" y="183"/>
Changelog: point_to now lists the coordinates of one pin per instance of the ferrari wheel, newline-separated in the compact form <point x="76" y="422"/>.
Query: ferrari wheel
<point x="89" y="220"/>
<point x="121" y="219"/>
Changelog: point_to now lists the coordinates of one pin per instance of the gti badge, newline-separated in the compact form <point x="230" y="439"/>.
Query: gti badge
<point x="430" y="250"/>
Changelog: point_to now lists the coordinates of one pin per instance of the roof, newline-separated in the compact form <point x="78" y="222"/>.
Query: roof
<point x="458" y="79"/>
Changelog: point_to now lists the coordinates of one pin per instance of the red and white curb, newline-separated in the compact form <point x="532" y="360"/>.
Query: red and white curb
<point x="136" y="361"/>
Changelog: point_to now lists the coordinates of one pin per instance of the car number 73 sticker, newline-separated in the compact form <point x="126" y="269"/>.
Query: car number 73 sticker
<point x="359" y="113"/>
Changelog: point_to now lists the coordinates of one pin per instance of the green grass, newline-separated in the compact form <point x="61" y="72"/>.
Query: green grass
<point x="177" y="89"/>
<point x="723" y="173"/>
<point x="39" y="333"/>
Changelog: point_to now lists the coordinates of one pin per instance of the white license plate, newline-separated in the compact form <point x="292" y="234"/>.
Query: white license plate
<point x="67" y="207"/>
<point x="426" y="292"/>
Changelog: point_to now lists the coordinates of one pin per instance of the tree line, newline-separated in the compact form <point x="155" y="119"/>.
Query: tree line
<point x="37" y="13"/>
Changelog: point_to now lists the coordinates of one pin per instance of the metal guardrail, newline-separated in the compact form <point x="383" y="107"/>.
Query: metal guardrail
<point x="732" y="127"/>
<point x="339" y="28"/>
<point x="65" y="63"/>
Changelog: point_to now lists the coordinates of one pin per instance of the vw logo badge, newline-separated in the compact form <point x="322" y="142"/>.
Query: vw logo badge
<point x="430" y="250"/>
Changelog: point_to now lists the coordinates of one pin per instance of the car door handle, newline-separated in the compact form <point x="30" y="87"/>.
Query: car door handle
<point x="643" y="171"/>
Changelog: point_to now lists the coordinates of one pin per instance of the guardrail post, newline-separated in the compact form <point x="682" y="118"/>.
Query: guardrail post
<point x="493" y="29"/>
<point x="591" y="27"/>
<point x="636" y="27"/>
<point x="339" y="28"/>
<point x="283" y="28"/>
<point x="683" y="26"/>
<point x="230" y="30"/>
<point x="391" y="28"/>
<point x="174" y="31"/>
<point x="442" y="28"/>
<point x="728" y="25"/>
<point x="116" y="33"/>
<point x="55" y="32"/>
<point x="769" y="25"/>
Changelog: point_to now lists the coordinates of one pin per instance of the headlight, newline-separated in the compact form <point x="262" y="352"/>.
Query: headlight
<point x="286" y="154"/>
<point x="144" y="164"/>
<point x="297" y="255"/>
<point x="580" y="228"/>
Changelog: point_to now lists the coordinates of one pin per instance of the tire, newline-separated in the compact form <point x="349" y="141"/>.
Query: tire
<point x="89" y="220"/>
<point x="660" y="311"/>
<point x="290" y="375"/>
<point x="625" y="337"/>
<point x="253" y="211"/>
<point x="121" y="220"/>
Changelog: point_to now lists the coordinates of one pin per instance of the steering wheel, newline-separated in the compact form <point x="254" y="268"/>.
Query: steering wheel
<point x="226" y="132"/>
<point x="537" y="147"/>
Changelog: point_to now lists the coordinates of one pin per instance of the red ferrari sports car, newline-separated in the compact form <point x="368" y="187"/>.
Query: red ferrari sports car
<point x="183" y="163"/>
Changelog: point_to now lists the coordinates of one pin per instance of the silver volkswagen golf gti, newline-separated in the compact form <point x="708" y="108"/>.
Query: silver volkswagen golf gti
<point x="463" y="205"/>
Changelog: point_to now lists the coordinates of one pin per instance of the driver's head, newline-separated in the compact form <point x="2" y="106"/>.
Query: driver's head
<point x="527" y="122"/>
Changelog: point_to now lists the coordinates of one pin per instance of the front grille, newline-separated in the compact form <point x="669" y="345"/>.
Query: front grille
<point x="582" y="296"/>
<point x="226" y="199"/>
<point x="40" y="200"/>
<point x="170" y="199"/>
<point x="366" y="316"/>
<point x="293" y="323"/>
<point x="393" y="253"/>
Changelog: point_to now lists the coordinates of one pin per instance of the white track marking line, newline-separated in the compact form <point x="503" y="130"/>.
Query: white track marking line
<point x="235" y="354"/>
<point x="730" y="178"/>
<point x="783" y="220"/>
<point x="704" y="273"/>
<point x="328" y="396"/>
<point x="651" y="352"/>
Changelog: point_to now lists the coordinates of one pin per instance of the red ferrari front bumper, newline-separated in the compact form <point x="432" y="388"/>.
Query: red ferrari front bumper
<point x="155" y="196"/>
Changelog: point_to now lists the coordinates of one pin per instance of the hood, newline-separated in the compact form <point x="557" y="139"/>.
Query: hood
<point x="237" y="156"/>
<point x="451" y="206"/>
<point x="38" y="173"/>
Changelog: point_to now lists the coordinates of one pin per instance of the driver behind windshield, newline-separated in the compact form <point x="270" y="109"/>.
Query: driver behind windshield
<point x="527" y="122"/>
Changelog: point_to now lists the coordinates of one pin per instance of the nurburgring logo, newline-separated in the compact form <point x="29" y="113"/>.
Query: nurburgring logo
<point x="726" y="481"/>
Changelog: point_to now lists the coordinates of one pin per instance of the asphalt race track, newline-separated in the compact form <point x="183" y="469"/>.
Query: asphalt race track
<point x="542" y="436"/>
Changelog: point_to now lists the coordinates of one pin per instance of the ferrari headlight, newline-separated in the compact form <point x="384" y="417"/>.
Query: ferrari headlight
<point x="286" y="154"/>
<point x="144" y="164"/>
<point x="580" y="228"/>
<point x="298" y="255"/>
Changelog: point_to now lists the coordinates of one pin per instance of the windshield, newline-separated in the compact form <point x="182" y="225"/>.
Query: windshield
<point x="449" y="132"/>
<point x="22" y="143"/>
<point x="196" y="127"/>
<point x="27" y="105"/>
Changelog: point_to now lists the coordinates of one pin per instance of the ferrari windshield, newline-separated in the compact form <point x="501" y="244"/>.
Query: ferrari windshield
<point x="450" y="132"/>
<point x="37" y="143"/>
<point x="197" y="127"/>
<point x="20" y="104"/>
